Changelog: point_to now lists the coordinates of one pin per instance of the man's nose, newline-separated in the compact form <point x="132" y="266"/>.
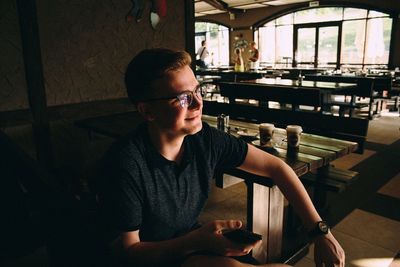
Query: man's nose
<point x="196" y="102"/>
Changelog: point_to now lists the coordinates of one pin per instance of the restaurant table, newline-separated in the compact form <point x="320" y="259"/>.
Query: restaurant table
<point x="231" y="75"/>
<point x="265" y="202"/>
<point x="288" y="83"/>
<point x="310" y="93"/>
<point x="380" y="83"/>
<point x="294" y="72"/>
<point x="345" y="77"/>
<point x="374" y="87"/>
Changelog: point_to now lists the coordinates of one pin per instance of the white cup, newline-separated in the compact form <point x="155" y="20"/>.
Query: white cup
<point x="293" y="135"/>
<point x="266" y="132"/>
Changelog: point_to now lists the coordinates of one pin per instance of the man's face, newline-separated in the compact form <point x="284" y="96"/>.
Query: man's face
<point x="169" y="115"/>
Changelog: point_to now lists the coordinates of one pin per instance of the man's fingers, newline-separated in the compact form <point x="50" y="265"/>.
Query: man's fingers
<point x="220" y="225"/>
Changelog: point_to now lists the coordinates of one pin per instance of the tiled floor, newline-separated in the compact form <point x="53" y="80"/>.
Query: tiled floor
<point x="370" y="240"/>
<point x="391" y="188"/>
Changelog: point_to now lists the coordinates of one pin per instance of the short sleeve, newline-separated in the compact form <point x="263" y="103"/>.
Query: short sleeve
<point x="228" y="151"/>
<point x="122" y="200"/>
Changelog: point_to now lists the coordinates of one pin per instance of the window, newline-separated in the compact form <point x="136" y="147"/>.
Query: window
<point x="326" y="37"/>
<point x="217" y="37"/>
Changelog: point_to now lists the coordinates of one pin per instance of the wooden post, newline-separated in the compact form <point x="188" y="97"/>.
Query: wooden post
<point x="265" y="217"/>
<point x="30" y="40"/>
<point x="189" y="29"/>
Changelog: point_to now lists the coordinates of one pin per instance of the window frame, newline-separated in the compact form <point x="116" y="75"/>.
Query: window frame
<point x="387" y="14"/>
<point x="206" y="33"/>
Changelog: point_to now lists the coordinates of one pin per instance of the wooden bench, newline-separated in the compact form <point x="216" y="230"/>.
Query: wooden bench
<point x="328" y="178"/>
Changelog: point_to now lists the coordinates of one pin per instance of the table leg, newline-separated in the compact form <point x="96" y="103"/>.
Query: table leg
<point x="265" y="217"/>
<point x="320" y="194"/>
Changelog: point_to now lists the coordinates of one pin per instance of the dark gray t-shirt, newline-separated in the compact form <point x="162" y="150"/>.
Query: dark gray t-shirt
<point x="143" y="190"/>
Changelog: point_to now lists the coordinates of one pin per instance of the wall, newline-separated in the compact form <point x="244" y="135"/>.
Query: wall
<point x="85" y="47"/>
<point x="243" y="22"/>
<point x="12" y="80"/>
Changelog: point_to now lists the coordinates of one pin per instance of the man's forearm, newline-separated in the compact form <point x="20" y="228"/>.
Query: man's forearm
<point x="294" y="191"/>
<point x="148" y="253"/>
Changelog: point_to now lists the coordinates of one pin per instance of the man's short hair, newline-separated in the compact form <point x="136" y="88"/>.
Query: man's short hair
<point x="151" y="65"/>
<point x="203" y="42"/>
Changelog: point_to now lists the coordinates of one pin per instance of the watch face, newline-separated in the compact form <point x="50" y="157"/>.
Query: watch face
<point x="323" y="227"/>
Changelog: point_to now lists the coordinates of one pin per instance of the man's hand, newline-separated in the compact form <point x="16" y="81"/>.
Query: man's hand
<point x="211" y="238"/>
<point x="328" y="251"/>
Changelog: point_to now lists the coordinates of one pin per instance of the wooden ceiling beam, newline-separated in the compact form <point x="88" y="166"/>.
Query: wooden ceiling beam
<point x="221" y="5"/>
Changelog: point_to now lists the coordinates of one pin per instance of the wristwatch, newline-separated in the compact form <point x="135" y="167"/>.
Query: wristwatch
<point x="321" y="228"/>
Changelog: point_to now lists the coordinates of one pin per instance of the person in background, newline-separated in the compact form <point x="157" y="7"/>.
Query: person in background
<point x="158" y="177"/>
<point x="202" y="54"/>
<point x="254" y="56"/>
<point x="239" y="63"/>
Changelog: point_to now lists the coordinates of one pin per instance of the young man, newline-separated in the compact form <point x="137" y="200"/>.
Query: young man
<point x="158" y="177"/>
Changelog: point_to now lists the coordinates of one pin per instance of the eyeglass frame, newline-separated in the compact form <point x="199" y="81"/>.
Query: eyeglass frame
<point x="200" y="88"/>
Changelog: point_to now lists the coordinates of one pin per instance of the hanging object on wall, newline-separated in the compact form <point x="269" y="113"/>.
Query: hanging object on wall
<point x="154" y="19"/>
<point x="136" y="12"/>
<point x="158" y="10"/>
<point x="161" y="7"/>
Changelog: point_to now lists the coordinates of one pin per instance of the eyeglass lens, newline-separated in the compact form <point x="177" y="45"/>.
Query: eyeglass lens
<point x="186" y="99"/>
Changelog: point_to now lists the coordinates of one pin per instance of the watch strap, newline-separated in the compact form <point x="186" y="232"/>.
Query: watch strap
<point x="320" y="228"/>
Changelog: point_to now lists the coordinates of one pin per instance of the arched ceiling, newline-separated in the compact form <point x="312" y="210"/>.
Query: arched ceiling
<point x="209" y="7"/>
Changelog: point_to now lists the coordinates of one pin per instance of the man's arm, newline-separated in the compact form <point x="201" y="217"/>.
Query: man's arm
<point x="207" y="238"/>
<point x="149" y="253"/>
<point x="264" y="164"/>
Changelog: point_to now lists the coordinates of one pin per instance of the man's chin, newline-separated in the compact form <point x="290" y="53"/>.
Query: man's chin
<point x="195" y="128"/>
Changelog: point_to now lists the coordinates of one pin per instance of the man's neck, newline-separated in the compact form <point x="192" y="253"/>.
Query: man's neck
<point x="169" y="146"/>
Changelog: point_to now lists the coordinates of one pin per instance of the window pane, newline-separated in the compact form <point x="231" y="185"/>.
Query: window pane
<point x="318" y="15"/>
<point x="266" y="44"/>
<point x="284" y="42"/>
<point x="328" y="45"/>
<point x="222" y="57"/>
<point x="353" y="37"/>
<point x="306" y="45"/>
<point x="375" y="14"/>
<point x="200" y="27"/>
<point x="355" y="13"/>
<point x="285" y="20"/>
<point x="378" y="41"/>
<point x="270" y="23"/>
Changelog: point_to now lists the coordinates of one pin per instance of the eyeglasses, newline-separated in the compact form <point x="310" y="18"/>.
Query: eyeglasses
<point x="186" y="97"/>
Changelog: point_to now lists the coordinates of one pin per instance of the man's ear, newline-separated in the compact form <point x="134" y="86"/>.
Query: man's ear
<point x="145" y="110"/>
